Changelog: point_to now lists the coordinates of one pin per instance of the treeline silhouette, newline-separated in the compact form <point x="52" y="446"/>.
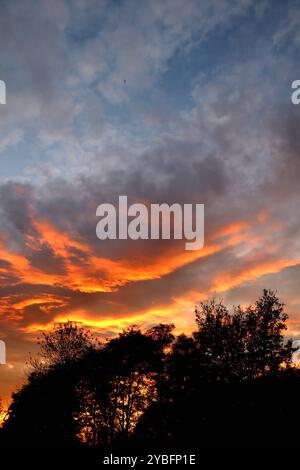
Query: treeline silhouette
<point x="229" y="384"/>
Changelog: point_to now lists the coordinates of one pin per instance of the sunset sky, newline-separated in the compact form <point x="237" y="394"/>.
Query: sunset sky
<point x="183" y="101"/>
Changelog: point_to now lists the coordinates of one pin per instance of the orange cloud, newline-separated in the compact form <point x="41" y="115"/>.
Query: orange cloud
<point x="227" y="281"/>
<point x="100" y="274"/>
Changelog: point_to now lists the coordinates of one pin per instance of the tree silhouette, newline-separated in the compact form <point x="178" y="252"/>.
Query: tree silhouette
<point x="65" y="344"/>
<point x="118" y="385"/>
<point x="265" y="324"/>
<point x="232" y="380"/>
<point x="220" y="341"/>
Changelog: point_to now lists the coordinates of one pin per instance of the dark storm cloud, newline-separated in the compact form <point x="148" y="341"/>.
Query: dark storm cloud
<point x="45" y="259"/>
<point x="16" y="207"/>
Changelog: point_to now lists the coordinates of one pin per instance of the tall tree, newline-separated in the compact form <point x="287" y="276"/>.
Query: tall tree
<point x="220" y="341"/>
<point x="120" y="383"/>
<point x="265" y="324"/>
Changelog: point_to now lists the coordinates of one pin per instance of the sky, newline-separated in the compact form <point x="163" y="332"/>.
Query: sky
<point x="169" y="101"/>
